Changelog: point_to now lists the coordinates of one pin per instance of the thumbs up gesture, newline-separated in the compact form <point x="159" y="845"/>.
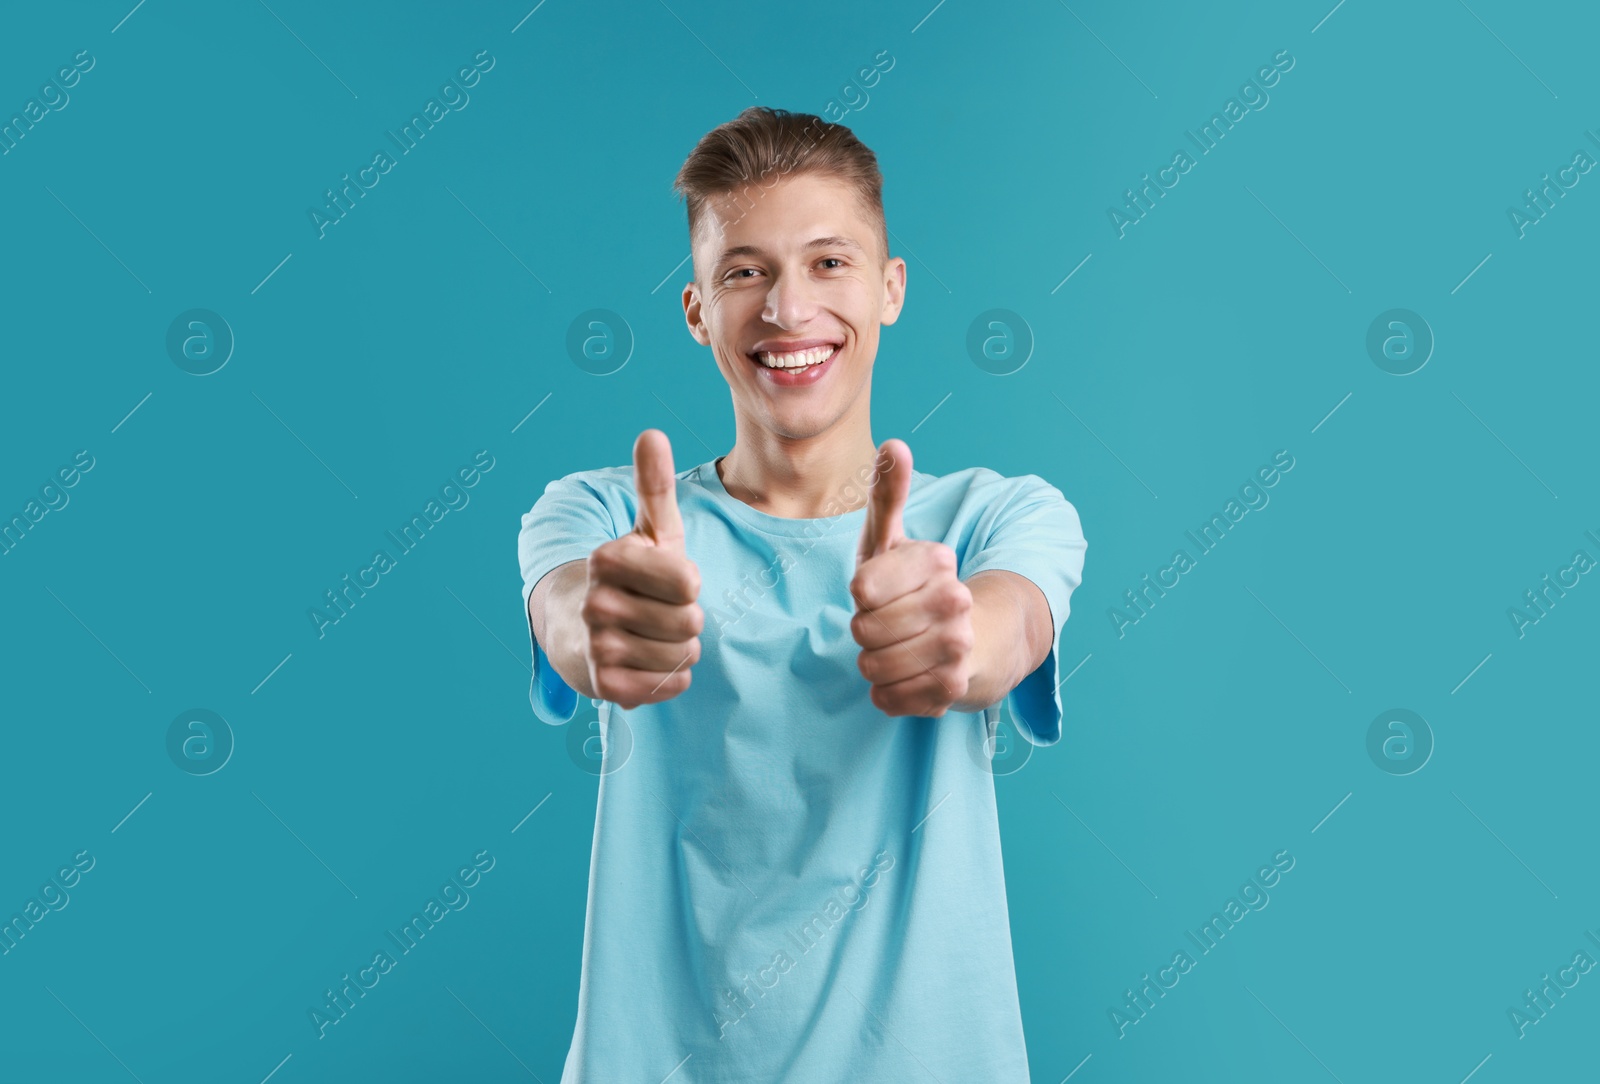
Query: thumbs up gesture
<point x="639" y="611"/>
<point x="913" y="615"/>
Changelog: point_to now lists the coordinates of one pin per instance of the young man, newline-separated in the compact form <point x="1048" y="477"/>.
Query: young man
<point x="796" y="875"/>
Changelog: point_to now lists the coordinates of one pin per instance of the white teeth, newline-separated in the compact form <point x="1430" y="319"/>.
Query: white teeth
<point x="800" y="359"/>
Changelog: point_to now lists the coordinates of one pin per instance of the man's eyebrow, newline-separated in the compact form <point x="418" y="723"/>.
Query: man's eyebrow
<point x="819" y="242"/>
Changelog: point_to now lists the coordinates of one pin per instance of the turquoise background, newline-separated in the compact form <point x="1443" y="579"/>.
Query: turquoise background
<point x="369" y="764"/>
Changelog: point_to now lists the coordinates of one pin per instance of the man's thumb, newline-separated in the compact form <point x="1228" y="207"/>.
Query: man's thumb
<point x="890" y="487"/>
<point x="657" y="489"/>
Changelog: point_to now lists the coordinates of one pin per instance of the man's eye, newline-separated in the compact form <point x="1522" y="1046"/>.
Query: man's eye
<point x="832" y="259"/>
<point x="740" y="271"/>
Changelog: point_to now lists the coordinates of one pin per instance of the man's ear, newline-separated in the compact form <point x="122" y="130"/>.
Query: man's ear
<point x="693" y="316"/>
<point x="894" y="290"/>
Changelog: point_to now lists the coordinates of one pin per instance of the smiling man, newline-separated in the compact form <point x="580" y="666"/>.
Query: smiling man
<point x="799" y="650"/>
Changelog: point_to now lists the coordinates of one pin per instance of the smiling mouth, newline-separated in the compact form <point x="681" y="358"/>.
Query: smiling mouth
<point x="796" y="361"/>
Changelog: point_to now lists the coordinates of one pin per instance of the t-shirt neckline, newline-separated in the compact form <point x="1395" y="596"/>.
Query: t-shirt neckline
<point x="706" y="474"/>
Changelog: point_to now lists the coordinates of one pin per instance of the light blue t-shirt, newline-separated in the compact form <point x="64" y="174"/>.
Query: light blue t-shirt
<point x="787" y="884"/>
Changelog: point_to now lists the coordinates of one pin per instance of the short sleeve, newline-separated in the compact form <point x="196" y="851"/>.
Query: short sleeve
<point x="1036" y="534"/>
<point x="567" y="522"/>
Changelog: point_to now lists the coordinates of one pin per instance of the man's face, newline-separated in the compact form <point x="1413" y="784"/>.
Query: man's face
<point x="799" y="268"/>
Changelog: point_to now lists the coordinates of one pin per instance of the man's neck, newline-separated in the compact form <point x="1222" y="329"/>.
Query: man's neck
<point x="826" y="475"/>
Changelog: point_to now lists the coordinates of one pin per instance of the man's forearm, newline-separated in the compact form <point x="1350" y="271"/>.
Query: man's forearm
<point x="555" y="615"/>
<point x="1011" y="632"/>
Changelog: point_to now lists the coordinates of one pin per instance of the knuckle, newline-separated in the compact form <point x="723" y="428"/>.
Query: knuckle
<point x="598" y="606"/>
<point x="954" y="598"/>
<point x="606" y="648"/>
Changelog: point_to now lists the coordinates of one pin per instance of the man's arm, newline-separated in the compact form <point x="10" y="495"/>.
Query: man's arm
<point x="1011" y="633"/>
<point x="555" y="615"/>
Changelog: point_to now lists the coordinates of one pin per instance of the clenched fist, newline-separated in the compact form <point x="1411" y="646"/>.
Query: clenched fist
<point x="913" y="615"/>
<point x="643" y="624"/>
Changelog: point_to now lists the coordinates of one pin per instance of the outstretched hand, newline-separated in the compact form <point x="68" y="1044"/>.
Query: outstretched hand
<point x="913" y="614"/>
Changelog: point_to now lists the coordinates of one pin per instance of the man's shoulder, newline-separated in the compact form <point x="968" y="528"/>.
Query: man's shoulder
<point x="981" y="487"/>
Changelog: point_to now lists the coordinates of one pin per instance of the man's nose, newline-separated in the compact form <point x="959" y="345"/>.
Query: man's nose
<point x="791" y="300"/>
